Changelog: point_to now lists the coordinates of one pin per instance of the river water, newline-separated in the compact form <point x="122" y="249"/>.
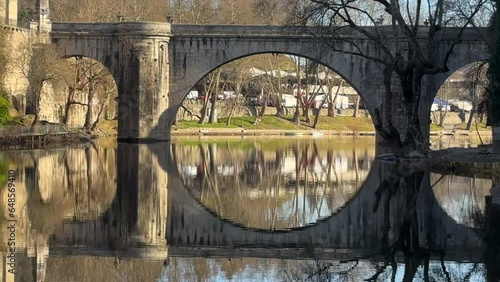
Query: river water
<point x="243" y="209"/>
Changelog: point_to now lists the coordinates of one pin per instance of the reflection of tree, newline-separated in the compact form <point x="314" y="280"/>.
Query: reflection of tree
<point x="286" y="187"/>
<point x="403" y="240"/>
<point x="462" y="198"/>
<point x="492" y="253"/>
<point x="76" y="186"/>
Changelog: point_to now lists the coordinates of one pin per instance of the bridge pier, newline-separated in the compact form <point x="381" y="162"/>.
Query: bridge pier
<point x="142" y="87"/>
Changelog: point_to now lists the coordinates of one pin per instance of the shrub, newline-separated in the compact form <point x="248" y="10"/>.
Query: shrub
<point x="4" y="109"/>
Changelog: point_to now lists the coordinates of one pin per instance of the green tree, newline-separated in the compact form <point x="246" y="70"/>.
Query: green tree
<point x="4" y="102"/>
<point x="4" y="110"/>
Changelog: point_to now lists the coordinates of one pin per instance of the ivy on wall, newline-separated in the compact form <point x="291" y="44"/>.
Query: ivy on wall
<point x="4" y="102"/>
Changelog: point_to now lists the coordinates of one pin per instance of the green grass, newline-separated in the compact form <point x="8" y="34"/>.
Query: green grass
<point x="274" y="143"/>
<point x="481" y="126"/>
<point x="345" y="123"/>
<point x="285" y="123"/>
<point x="109" y="126"/>
<point x="435" y="127"/>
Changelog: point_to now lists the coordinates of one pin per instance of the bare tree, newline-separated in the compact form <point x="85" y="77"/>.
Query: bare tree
<point x="40" y="65"/>
<point x="476" y="77"/>
<point x="108" y="10"/>
<point x="90" y="79"/>
<point x="404" y="58"/>
<point x="298" y="70"/>
<point x="75" y="82"/>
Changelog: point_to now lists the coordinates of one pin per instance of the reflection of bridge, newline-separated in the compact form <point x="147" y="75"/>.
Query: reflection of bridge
<point x="189" y="225"/>
<point x="354" y="227"/>
<point x="148" y="221"/>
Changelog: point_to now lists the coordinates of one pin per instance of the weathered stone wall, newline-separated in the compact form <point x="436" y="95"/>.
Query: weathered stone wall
<point x="14" y="82"/>
<point x="3" y="11"/>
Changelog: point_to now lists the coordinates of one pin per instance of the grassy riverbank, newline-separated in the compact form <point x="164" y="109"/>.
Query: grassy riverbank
<point x="270" y="125"/>
<point x="285" y="123"/>
<point x="325" y="123"/>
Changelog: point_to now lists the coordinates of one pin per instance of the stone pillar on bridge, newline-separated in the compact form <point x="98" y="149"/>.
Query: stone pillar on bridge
<point x="142" y="88"/>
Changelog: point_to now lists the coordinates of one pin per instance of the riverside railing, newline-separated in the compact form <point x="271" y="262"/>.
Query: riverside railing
<point x="42" y="129"/>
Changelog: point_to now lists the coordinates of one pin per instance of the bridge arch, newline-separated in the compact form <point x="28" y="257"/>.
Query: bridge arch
<point x="194" y="57"/>
<point x="474" y="50"/>
<point x="461" y="99"/>
<point x="105" y="55"/>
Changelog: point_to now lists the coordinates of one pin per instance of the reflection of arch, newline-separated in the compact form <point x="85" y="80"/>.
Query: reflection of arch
<point x="452" y="194"/>
<point x="79" y="174"/>
<point x="353" y="227"/>
<point x="229" y="211"/>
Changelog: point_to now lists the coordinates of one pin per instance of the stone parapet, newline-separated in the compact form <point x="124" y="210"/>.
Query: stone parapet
<point x="123" y="28"/>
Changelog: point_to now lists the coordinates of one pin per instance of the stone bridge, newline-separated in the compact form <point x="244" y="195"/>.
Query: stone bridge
<point x="156" y="64"/>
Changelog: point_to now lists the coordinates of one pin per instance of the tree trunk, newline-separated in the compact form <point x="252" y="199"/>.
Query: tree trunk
<point x="259" y="116"/>
<point x="89" y="115"/>
<point x="317" y="111"/>
<point x="99" y="117"/>
<point x="296" y="114"/>
<point x="37" y="97"/>
<point x="356" y="106"/>
<point x="67" y="106"/>
<point x="213" y="110"/>
<point x="471" y="117"/>
<point x="331" y="104"/>
<point x="215" y="88"/>
<point x="307" y="105"/>
<point x="400" y="124"/>
<point x="334" y="101"/>
<point x="231" y="112"/>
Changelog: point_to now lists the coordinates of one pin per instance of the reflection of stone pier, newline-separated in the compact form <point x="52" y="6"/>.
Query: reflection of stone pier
<point x="495" y="189"/>
<point x="135" y="224"/>
<point x="71" y="202"/>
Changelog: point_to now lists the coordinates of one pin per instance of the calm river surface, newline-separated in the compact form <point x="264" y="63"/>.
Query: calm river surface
<point x="242" y="209"/>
